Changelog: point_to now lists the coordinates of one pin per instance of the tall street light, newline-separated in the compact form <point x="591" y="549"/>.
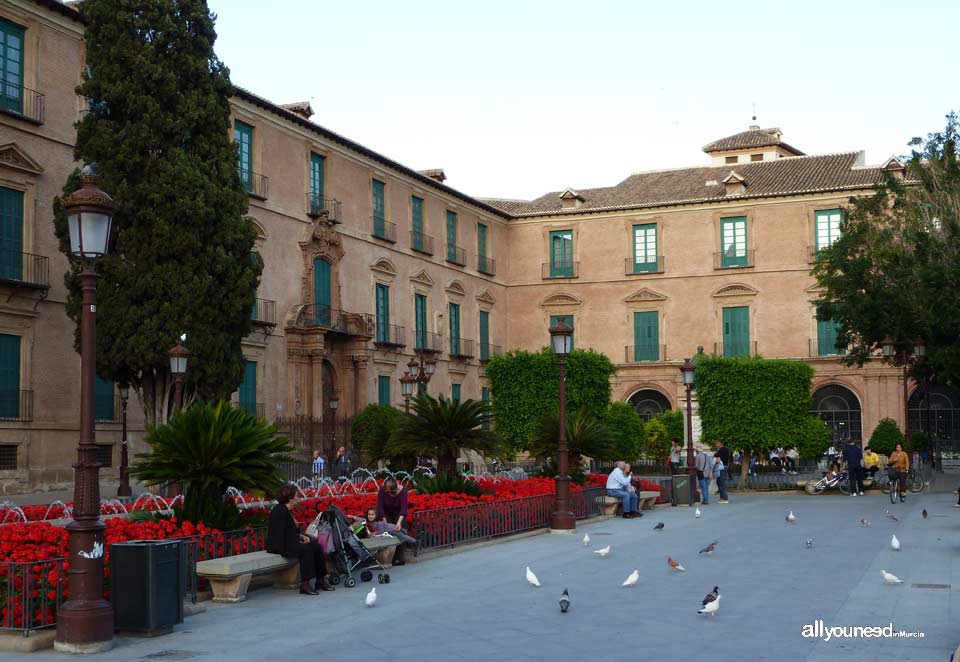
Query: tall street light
<point x="906" y="357"/>
<point x="421" y="368"/>
<point x="406" y="389"/>
<point x="562" y="518"/>
<point x="85" y="620"/>
<point x="687" y="373"/>
<point x="124" y="489"/>
<point x="178" y="368"/>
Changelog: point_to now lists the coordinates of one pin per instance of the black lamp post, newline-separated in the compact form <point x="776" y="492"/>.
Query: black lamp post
<point x="906" y="357"/>
<point x="687" y="373"/>
<point x="421" y="368"/>
<point x="406" y="389"/>
<point x="85" y="620"/>
<point x="562" y="518"/>
<point x="124" y="489"/>
<point x="178" y="368"/>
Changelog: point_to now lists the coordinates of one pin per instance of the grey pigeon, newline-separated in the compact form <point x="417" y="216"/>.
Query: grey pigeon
<point x="709" y="549"/>
<point x="924" y="513"/>
<point x="890" y="515"/>
<point x="711" y="596"/>
<point x="864" y="522"/>
<point x="809" y="543"/>
<point x="659" y="526"/>
<point x="564" y="602"/>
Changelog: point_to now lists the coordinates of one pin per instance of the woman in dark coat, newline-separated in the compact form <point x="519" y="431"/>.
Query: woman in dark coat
<point x="284" y="538"/>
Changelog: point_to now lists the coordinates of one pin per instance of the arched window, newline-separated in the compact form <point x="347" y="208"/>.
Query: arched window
<point x="649" y="402"/>
<point x="838" y="407"/>
<point x="935" y="410"/>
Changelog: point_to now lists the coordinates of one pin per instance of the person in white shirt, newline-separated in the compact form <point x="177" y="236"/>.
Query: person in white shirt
<point x="318" y="463"/>
<point x="620" y="487"/>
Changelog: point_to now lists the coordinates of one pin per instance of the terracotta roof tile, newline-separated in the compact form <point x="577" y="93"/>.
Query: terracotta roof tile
<point x="749" y="139"/>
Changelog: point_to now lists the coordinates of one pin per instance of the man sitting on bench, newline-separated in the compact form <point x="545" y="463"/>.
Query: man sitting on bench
<point x="621" y="487"/>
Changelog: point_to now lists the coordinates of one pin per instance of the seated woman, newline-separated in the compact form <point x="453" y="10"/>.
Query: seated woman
<point x="284" y="538"/>
<point x="392" y="509"/>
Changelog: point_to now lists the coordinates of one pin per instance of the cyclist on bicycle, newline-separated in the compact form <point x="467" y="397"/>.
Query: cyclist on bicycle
<point x="900" y="462"/>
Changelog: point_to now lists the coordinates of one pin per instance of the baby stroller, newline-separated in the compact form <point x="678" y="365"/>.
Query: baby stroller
<point x="349" y="555"/>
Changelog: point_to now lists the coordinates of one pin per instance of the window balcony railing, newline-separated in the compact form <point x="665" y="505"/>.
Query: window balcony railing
<point x="16" y="405"/>
<point x="735" y="348"/>
<point x="108" y="410"/>
<point x="824" y="348"/>
<point x="565" y="269"/>
<point x="24" y="269"/>
<point x="486" y="265"/>
<point x="424" y="341"/>
<point x="814" y="254"/>
<point x="633" y="266"/>
<point x="456" y="255"/>
<point x="318" y="206"/>
<point x="335" y="321"/>
<point x="420" y="242"/>
<point x="389" y="335"/>
<point x="384" y="229"/>
<point x="461" y="348"/>
<point x="254" y="183"/>
<point x="487" y="350"/>
<point x="21" y="102"/>
<point x="258" y="409"/>
<point x="649" y="353"/>
<point x="264" y="312"/>
<point x="733" y="259"/>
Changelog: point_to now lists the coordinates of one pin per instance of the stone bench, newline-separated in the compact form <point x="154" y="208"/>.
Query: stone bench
<point x="645" y="501"/>
<point x="230" y="576"/>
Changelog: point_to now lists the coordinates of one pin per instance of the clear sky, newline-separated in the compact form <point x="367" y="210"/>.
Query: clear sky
<point x="515" y="99"/>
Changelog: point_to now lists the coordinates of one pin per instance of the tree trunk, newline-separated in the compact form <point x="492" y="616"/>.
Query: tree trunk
<point x="744" y="470"/>
<point x="447" y="464"/>
<point x="154" y="394"/>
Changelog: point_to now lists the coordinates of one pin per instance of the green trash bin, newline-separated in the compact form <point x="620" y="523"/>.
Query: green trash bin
<point x="682" y="494"/>
<point x="147" y="584"/>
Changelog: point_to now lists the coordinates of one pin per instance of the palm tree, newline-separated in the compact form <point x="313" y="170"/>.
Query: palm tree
<point x="586" y="435"/>
<point x="210" y="448"/>
<point x="441" y="428"/>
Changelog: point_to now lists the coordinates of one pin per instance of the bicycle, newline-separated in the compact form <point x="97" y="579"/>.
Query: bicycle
<point x="914" y="481"/>
<point x="895" y="490"/>
<point x="840" y="481"/>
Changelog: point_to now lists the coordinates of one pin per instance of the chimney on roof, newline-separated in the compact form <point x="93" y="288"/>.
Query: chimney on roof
<point x="734" y="184"/>
<point x="435" y="174"/>
<point x="570" y="199"/>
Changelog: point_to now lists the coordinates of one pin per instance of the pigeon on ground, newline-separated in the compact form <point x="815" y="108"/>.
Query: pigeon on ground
<point x="809" y="543"/>
<point x="659" y="526"/>
<point x="709" y="549"/>
<point x="564" y="602"/>
<point x="632" y="578"/>
<point x="924" y="513"/>
<point x="890" y="515"/>
<point x="586" y="539"/>
<point x="791" y="517"/>
<point x="676" y="566"/>
<point x="371" y="597"/>
<point x="864" y="522"/>
<point x="711" y="596"/>
<point x="711" y="607"/>
<point x="603" y="552"/>
<point x="889" y="578"/>
<point x="697" y="513"/>
<point x="895" y="543"/>
<point x="532" y="578"/>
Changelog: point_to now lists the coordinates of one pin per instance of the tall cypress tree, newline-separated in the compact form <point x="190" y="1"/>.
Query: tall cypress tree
<point x="158" y="128"/>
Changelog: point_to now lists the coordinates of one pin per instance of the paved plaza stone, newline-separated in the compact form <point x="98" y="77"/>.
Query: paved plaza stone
<point x="476" y="605"/>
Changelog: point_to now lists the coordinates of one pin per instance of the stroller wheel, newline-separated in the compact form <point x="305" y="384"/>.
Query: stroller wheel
<point x="350" y="583"/>
<point x="366" y="576"/>
<point x="333" y="579"/>
<point x="386" y="578"/>
<point x="380" y="578"/>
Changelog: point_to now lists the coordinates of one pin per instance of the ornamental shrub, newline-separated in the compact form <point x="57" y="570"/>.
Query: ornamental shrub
<point x="658" y="441"/>
<point x="814" y="438"/>
<point x="371" y="430"/>
<point x="447" y="484"/>
<point x="673" y="421"/>
<point x="627" y="428"/>
<point x="886" y="436"/>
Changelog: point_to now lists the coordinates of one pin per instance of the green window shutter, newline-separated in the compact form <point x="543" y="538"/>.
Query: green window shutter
<point x="736" y="331"/>
<point x="383" y="389"/>
<point x="455" y="392"/>
<point x="379" y="209"/>
<point x="646" y="336"/>
<point x="420" y="320"/>
<point x="383" y="313"/>
<point x="484" y="335"/>
<point x="828" y="227"/>
<point x="11" y="67"/>
<point x="561" y="253"/>
<point x="485" y="396"/>
<point x="827" y="338"/>
<point x="317" y="164"/>
<point x="11" y="234"/>
<point x="416" y="216"/>
<point x="243" y="136"/>
<point x="568" y="319"/>
<point x="733" y="242"/>
<point x="103" y="397"/>
<point x="321" y="292"/>
<point x="645" y="257"/>
<point x="481" y="247"/>
<point x="454" y="329"/>
<point x="452" y="236"/>
<point x="9" y="377"/>
<point x="248" y="387"/>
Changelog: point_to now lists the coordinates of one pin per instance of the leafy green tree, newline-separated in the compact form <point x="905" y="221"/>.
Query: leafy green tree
<point x="658" y="440"/>
<point x="158" y="128"/>
<point x="813" y="439"/>
<point x="587" y="436"/>
<point x="209" y="448"/>
<point x="371" y="431"/>
<point x="441" y="428"/>
<point x="628" y="430"/>
<point x="885" y="437"/>
<point x="525" y="388"/>
<point x="673" y="421"/>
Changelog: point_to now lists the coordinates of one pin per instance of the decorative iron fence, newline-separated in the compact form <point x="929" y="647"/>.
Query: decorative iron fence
<point x="30" y="594"/>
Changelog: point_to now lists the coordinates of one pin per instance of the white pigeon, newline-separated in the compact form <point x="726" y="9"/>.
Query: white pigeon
<point x="586" y="539"/>
<point x="532" y="578"/>
<point x="371" y="597"/>
<point x="791" y="517"/>
<point x="890" y="579"/>
<point x="711" y="607"/>
<point x="632" y="579"/>
<point x="895" y="543"/>
<point x="697" y="513"/>
<point x="603" y="552"/>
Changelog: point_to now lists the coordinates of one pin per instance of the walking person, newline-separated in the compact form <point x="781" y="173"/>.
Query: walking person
<point x="853" y="456"/>
<point x="703" y="464"/>
<point x="723" y="469"/>
<point x="342" y="464"/>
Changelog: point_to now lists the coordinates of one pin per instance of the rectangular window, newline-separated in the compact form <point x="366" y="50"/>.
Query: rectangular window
<point x="416" y="222"/>
<point x="646" y="336"/>
<point x="485" y="396"/>
<point x="454" y="329"/>
<point x="561" y="254"/>
<point x="484" y="335"/>
<point x="317" y="164"/>
<point x="736" y="331"/>
<point x="828" y="227"/>
<point x="243" y="137"/>
<point x="383" y="389"/>
<point x="322" y="289"/>
<point x="568" y="319"/>
<point x="733" y="242"/>
<point x="248" y="388"/>
<point x="482" y="247"/>
<point x="420" y="320"/>
<point x="455" y="392"/>
<point x="756" y="157"/>
<point x="379" y="209"/>
<point x="644" y="248"/>
<point x="11" y="234"/>
<point x="103" y="396"/>
<point x="452" y="237"/>
<point x="827" y="338"/>
<point x="8" y="457"/>
<point x="105" y="455"/>
<point x="9" y="377"/>
<point x="383" y="313"/>
<point x="730" y="159"/>
<point x="11" y="67"/>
